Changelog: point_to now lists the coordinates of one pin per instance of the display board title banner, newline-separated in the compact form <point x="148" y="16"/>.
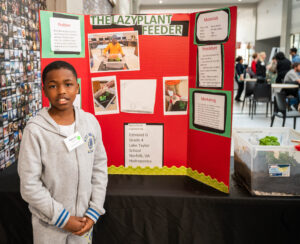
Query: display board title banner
<point x="150" y="24"/>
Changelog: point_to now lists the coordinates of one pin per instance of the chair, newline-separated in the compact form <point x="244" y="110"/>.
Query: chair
<point x="262" y="93"/>
<point x="248" y="94"/>
<point x="291" y="94"/>
<point x="280" y="110"/>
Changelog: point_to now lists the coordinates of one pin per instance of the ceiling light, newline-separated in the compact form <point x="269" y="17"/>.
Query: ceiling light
<point x="239" y="0"/>
<point x="160" y="1"/>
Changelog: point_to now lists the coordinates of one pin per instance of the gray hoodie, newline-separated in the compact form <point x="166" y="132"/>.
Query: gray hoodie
<point x="57" y="183"/>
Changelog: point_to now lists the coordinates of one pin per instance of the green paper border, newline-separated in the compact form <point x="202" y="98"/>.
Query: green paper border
<point x="212" y="42"/>
<point x="46" y="39"/>
<point x="223" y="70"/>
<point x="227" y="132"/>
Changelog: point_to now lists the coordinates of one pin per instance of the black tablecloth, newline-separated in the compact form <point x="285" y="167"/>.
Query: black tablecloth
<point x="167" y="209"/>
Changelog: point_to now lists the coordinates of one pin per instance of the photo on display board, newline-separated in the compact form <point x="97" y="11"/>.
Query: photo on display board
<point x="176" y="91"/>
<point x="105" y="95"/>
<point x="116" y="51"/>
<point x="212" y="27"/>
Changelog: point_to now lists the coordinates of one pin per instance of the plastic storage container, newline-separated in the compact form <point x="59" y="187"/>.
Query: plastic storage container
<point x="267" y="170"/>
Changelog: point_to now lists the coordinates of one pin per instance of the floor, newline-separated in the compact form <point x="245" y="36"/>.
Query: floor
<point x="241" y="119"/>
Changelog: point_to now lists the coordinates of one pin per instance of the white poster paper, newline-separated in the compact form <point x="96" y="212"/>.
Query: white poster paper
<point x="138" y="96"/>
<point x="65" y="35"/>
<point x="212" y="26"/>
<point x="210" y="66"/>
<point x="209" y="111"/>
<point x="143" y="145"/>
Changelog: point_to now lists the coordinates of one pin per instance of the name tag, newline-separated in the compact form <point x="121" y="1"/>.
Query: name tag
<point x="73" y="141"/>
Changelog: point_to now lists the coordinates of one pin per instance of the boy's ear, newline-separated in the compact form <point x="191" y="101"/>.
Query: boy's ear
<point x="44" y="89"/>
<point x="78" y="87"/>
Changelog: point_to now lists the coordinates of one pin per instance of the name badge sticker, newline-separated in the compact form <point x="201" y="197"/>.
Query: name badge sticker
<point x="73" y="141"/>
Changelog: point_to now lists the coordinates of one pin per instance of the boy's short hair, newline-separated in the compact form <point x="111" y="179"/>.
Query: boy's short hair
<point x="58" y="65"/>
<point x="238" y="59"/>
<point x="293" y="50"/>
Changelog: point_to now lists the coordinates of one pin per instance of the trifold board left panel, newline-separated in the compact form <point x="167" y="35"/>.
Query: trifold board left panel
<point x="135" y="73"/>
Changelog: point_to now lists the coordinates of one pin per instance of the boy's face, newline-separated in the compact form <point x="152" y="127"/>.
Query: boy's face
<point x="60" y="88"/>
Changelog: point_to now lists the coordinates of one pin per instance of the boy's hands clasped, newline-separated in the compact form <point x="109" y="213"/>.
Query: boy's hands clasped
<point x="79" y="225"/>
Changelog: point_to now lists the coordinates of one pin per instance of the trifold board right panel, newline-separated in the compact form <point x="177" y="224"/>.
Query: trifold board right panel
<point x="212" y="54"/>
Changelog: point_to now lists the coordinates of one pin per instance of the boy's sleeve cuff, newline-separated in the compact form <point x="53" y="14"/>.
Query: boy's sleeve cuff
<point x="92" y="214"/>
<point x="62" y="219"/>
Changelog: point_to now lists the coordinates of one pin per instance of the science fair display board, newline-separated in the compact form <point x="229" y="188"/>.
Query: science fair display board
<point x="160" y="86"/>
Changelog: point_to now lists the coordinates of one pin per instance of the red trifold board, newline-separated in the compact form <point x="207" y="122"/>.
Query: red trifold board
<point x="160" y="85"/>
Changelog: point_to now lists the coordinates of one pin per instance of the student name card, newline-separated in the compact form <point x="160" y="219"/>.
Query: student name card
<point x="212" y="26"/>
<point x="209" y="111"/>
<point x="73" y="141"/>
<point x="210" y="66"/>
<point x="143" y="145"/>
<point x="65" y="35"/>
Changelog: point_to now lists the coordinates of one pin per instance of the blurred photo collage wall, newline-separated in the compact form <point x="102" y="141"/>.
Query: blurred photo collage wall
<point x="20" y="73"/>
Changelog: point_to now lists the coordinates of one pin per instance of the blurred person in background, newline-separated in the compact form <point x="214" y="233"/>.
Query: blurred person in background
<point x="293" y="75"/>
<point x="271" y="70"/>
<point x="252" y="71"/>
<point x="239" y="77"/>
<point x="283" y="66"/>
<point x="295" y="56"/>
<point x="261" y="67"/>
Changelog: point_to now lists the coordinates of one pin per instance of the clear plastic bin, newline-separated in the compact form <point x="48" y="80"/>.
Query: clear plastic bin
<point x="267" y="170"/>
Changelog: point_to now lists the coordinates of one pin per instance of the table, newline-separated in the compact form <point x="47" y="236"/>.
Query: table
<point x="167" y="209"/>
<point x="250" y="79"/>
<point x="284" y="86"/>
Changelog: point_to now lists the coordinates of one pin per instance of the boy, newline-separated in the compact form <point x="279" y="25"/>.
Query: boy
<point x="113" y="47"/>
<point x="63" y="164"/>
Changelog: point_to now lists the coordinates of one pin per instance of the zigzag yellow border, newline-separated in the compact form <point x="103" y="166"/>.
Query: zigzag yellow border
<point x="206" y="179"/>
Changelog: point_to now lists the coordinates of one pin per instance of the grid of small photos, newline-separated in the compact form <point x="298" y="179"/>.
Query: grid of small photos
<point x="20" y="75"/>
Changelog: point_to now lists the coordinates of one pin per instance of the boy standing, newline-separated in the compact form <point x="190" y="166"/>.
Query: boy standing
<point x="63" y="164"/>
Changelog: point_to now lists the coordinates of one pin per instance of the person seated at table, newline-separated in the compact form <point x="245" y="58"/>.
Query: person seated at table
<point x="239" y="77"/>
<point x="113" y="47"/>
<point x="261" y="67"/>
<point x="293" y="75"/>
<point x="283" y="66"/>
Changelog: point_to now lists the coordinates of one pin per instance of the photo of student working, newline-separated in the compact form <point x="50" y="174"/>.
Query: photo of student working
<point x="175" y="95"/>
<point x="114" y="51"/>
<point x="105" y="95"/>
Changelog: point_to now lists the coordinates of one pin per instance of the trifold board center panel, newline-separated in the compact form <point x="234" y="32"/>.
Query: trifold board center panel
<point x="160" y="86"/>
